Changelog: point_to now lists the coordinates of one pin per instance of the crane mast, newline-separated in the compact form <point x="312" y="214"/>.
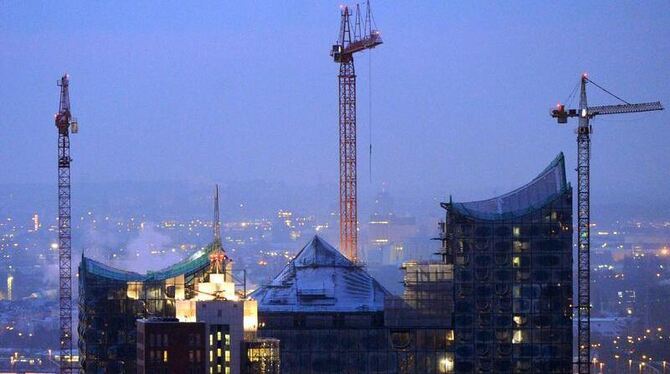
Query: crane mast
<point x="343" y="53"/>
<point x="584" y="130"/>
<point x="65" y="123"/>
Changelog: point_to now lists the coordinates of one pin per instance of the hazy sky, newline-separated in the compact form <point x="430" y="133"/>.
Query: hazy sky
<point x="227" y="91"/>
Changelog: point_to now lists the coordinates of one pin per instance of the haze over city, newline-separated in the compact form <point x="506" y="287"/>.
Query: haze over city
<point x="172" y="99"/>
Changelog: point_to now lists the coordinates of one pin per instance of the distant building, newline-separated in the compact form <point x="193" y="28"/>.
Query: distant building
<point x="512" y="263"/>
<point x="165" y="345"/>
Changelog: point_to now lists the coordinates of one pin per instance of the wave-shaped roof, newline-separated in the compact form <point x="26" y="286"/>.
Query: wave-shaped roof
<point x="194" y="263"/>
<point x="321" y="279"/>
<point x="543" y="188"/>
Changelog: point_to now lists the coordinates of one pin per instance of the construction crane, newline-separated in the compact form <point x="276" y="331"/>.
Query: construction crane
<point x="365" y="37"/>
<point x="65" y="124"/>
<point x="586" y="114"/>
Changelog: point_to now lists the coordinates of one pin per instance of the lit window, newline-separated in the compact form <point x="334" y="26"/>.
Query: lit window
<point x="227" y="339"/>
<point x="211" y="339"/>
<point x="211" y="356"/>
<point x="227" y="355"/>
<point x="218" y="352"/>
<point x="516" y="261"/>
<point x="519" y="320"/>
<point x="218" y="368"/>
<point x="165" y="356"/>
<point x="516" y="231"/>
<point x="218" y="335"/>
<point x="518" y="337"/>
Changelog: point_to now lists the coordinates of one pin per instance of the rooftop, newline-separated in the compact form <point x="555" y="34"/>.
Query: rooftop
<point x="321" y="279"/>
<point x="542" y="189"/>
<point x="196" y="262"/>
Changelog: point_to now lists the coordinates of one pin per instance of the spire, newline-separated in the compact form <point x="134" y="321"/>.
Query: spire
<point x="217" y="258"/>
<point x="217" y="221"/>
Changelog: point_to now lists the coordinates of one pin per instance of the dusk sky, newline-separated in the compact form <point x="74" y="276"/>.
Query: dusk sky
<point x="236" y="91"/>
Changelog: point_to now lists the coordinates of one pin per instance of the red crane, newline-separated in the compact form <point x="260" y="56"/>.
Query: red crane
<point x="65" y="124"/>
<point x="343" y="53"/>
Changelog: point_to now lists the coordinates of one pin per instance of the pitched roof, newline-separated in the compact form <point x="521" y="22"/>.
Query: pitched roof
<point x="321" y="279"/>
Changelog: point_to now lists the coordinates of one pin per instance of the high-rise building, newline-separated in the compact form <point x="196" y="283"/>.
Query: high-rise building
<point x="111" y="300"/>
<point x="512" y="264"/>
<point x="166" y="345"/>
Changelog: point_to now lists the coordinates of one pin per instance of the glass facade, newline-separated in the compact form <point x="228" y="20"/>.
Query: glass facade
<point x="330" y="342"/>
<point x="111" y="300"/>
<point x="261" y="357"/>
<point x="512" y="261"/>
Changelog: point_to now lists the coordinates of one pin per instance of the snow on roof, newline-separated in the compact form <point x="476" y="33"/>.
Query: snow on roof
<point x="321" y="279"/>
<point x="536" y="193"/>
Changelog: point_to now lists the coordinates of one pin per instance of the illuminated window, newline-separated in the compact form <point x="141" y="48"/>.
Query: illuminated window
<point x="218" y="335"/>
<point x="218" y="352"/>
<point x="447" y="364"/>
<point x="211" y="356"/>
<point x="227" y="356"/>
<point x="516" y="231"/>
<point x="518" y="337"/>
<point x="450" y="335"/>
<point x="227" y="339"/>
<point x="211" y="339"/>
<point x="165" y="356"/>
<point x="218" y="368"/>
<point x="227" y="370"/>
<point x="516" y="261"/>
<point x="519" y="320"/>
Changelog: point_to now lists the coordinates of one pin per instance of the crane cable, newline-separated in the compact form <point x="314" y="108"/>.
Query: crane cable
<point x="613" y="95"/>
<point x="370" y="109"/>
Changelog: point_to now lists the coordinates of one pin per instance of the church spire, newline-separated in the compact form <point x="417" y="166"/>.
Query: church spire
<point x="217" y="221"/>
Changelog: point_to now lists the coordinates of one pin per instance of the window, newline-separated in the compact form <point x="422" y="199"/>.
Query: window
<point x="519" y="320"/>
<point x="516" y="231"/>
<point x="211" y="339"/>
<point x="227" y="355"/>
<point x="218" y="335"/>
<point x="519" y="336"/>
<point x="165" y="356"/>
<point x="516" y="261"/>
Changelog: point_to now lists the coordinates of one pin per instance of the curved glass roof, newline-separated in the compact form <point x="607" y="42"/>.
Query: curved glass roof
<point x="538" y="192"/>
<point x="196" y="262"/>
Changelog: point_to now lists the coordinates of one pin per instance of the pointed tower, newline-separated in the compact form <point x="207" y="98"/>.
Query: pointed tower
<point x="217" y="220"/>
<point x="220" y="263"/>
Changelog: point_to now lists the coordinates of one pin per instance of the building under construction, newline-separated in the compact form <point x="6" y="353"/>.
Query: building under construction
<point x="512" y="262"/>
